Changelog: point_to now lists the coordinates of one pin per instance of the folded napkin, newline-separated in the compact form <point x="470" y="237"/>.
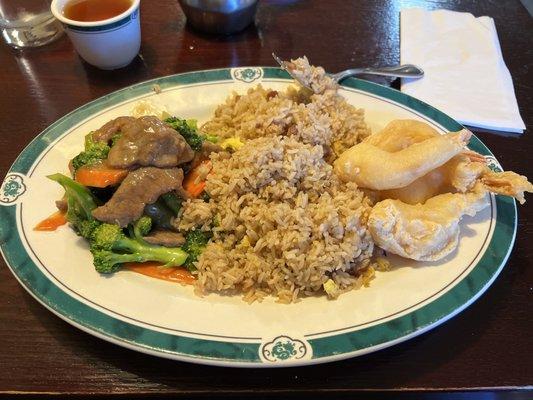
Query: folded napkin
<point x="465" y="75"/>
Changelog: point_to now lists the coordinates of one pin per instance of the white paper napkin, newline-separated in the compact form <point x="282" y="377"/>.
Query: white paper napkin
<point x="465" y="75"/>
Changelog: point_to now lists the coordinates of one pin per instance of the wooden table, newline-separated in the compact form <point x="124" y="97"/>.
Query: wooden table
<point x="487" y="347"/>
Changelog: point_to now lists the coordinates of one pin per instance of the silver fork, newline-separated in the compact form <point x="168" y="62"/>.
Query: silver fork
<point x="400" y="71"/>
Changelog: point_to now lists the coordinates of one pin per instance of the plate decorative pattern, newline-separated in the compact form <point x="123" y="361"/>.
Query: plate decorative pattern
<point x="284" y="348"/>
<point x="247" y="75"/>
<point x="273" y="348"/>
<point x="12" y="188"/>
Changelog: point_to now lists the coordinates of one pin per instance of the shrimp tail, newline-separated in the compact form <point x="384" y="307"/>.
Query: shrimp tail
<point x="507" y="183"/>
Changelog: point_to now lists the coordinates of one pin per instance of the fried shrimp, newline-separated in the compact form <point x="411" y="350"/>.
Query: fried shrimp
<point x="426" y="182"/>
<point x="401" y="133"/>
<point x="374" y="168"/>
<point x="423" y="232"/>
<point x="459" y="174"/>
<point x="507" y="183"/>
<point x="433" y="183"/>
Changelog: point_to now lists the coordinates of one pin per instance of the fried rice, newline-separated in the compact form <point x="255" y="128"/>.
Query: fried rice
<point x="284" y="225"/>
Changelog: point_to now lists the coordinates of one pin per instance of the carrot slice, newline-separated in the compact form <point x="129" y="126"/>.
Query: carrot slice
<point x="192" y="183"/>
<point x="100" y="175"/>
<point x="156" y="270"/>
<point x="53" y="222"/>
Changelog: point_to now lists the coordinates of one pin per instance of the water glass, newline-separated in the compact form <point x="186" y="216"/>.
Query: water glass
<point x="28" y="23"/>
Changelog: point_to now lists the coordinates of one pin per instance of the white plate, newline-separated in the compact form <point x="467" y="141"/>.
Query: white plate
<point x="167" y="319"/>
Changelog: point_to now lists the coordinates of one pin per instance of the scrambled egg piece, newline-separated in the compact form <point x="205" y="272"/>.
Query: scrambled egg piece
<point x="244" y="243"/>
<point x="232" y="143"/>
<point x="331" y="289"/>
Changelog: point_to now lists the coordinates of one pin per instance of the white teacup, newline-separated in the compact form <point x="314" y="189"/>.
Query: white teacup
<point x="108" y="44"/>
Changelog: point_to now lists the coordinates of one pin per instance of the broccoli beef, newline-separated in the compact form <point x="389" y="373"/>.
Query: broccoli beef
<point x="93" y="153"/>
<point x="146" y="141"/>
<point x="141" y="187"/>
<point x="111" y="245"/>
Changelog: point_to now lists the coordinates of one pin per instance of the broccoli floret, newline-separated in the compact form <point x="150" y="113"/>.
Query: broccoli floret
<point x="211" y="138"/>
<point x="188" y="131"/>
<point x="106" y="237"/>
<point x="143" y="225"/>
<point x="93" y="153"/>
<point x="86" y="228"/>
<point x="193" y="123"/>
<point x="195" y="242"/>
<point x="107" y="262"/>
<point x="80" y="204"/>
<point x="111" y="247"/>
<point x="115" y="138"/>
<point x="140" y="228"/>
<point x="188" y="128"/>
<point x="172" y="201"/>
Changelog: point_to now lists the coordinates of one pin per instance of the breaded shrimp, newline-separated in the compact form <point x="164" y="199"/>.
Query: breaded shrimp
<point x="461" y="174"/>
<point x="457" y="175"/>
<point x="433" y="183"/>
<point x="374" y="168"/>
<point x="401" y="133"/>
<point x="420" y="220"/>
<point x="507" y="183"/>
<point x="423" y="232"/>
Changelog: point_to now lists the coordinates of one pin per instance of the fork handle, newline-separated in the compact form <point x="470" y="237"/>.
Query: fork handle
<point x="401" y="71"/>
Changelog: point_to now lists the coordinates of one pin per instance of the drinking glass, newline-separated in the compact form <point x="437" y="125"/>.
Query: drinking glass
<point x="28" y="23"/>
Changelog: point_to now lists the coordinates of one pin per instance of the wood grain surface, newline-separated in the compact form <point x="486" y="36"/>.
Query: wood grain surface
<point x="489" y="345"/>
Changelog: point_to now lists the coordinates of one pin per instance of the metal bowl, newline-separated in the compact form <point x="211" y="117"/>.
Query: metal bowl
<point x="219" y="16"/>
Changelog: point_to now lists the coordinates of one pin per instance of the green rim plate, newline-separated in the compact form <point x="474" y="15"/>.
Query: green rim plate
<point x="328" y="347"/>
